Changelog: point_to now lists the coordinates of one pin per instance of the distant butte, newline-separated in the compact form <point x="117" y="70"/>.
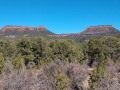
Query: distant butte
<point x="100" y="29"/>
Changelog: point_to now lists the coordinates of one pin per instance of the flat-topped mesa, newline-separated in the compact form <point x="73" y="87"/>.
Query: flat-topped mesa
<point x="23" y="28"/>
<point x="100" y="29"/>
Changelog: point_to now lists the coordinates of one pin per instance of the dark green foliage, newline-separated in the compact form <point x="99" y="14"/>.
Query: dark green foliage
<point x="63" y="81"/>
<point x="84" y="50"/>
<point x="7" y="48"/>
<point x="105" y="48"/>
<point x="39" y="46"/>
<point x="96" y="51"/>
<point x="40" y="49"/>
<point x="2" y="60"/>
<point x="25" y="49"/>
<point x="112" y="47"/>
<point x="65" y="49"/>
<point x="102" y="51"/>
<point x="98" y="74"/>
<point x="18" y="62"/>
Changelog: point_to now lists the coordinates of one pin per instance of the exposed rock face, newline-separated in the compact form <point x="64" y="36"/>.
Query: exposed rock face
<point x="23" y="28"/>
<point x="25" y="31"/>
<point x="102" y="29"/>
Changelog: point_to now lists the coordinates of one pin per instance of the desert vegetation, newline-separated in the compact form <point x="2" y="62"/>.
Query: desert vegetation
<point x="49" y="64"/>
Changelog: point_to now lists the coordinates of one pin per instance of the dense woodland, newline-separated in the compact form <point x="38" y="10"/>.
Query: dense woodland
<point x="49" y="64"/>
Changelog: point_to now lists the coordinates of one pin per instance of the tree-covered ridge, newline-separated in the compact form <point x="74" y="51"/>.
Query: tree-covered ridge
<point x="40" y="63"/>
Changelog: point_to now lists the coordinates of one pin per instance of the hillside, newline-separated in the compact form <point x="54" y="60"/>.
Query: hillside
<point x="20" y="31"/>
<point x="13" y="32"/>
<point x="93" y="32"/>
<point x="102" y="29"/>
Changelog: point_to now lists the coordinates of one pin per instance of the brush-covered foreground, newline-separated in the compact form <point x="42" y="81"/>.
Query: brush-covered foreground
<point x="41" y="64"/>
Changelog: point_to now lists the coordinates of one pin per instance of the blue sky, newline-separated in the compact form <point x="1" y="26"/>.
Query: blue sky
<point x="60" y="16"/>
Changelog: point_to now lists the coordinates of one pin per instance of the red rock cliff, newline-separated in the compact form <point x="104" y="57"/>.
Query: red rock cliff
<point x="23" y="28"/>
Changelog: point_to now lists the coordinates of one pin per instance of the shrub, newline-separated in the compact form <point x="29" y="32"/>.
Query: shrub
<point x="98" y="74"/>
<point x="2" y="60"/>
<point x="18" y="62"/>
<point x="63" y="81"/>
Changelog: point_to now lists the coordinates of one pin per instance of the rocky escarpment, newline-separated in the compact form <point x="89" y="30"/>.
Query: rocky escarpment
<point x="90" y="32"/>
<point x="102" y="29"/>
<point x="24" y="30"/>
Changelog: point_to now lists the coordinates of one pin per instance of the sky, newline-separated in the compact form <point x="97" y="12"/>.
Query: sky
<point x="60" y="16"/>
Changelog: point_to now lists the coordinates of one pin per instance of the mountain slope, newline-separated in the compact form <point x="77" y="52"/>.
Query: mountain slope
<point x="93" y="32"/>
<point x="25" y="31"/>
<point x="102" y="29"/>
